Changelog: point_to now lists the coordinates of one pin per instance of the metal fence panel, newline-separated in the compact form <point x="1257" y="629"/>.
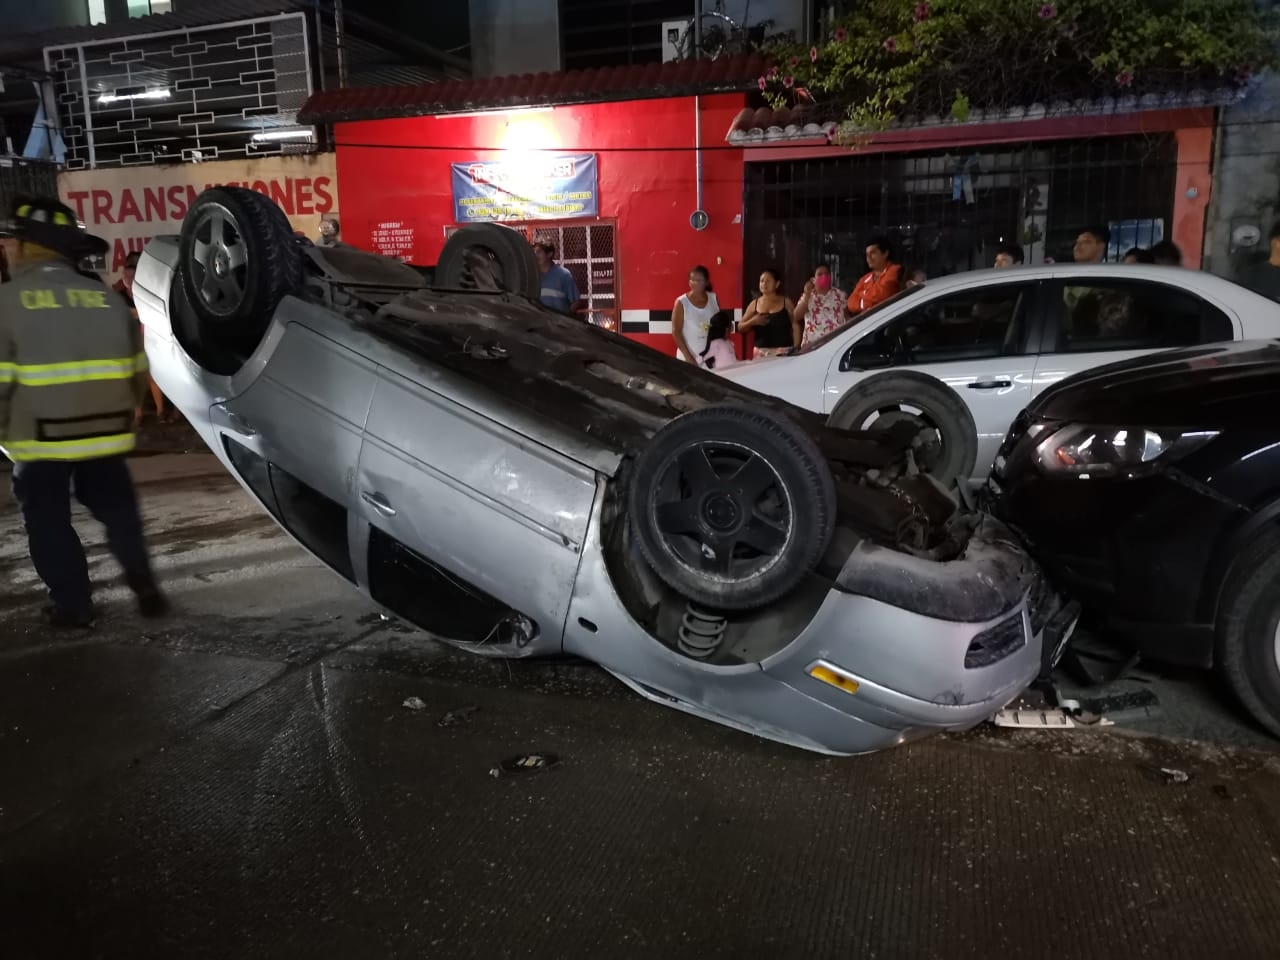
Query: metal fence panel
<point x="30" y="178"/>
<point x="946" y="210"/>
<point x="199" y="93"/>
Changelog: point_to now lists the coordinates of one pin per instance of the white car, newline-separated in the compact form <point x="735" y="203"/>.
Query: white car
<point x="963" y="354"/>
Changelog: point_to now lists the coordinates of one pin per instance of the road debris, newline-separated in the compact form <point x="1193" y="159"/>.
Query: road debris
<point x="1040" y="719"/>
<point x="414" y="703"/>
<point x="1045" y="708"/>
<point x="460" y="716"/>
<point x="525" y="763"/>
<point x="1175" y="776"/>
<point x="1128" y="707"/>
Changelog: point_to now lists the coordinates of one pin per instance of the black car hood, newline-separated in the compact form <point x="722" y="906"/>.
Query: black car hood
<point x="1236" y="384"/>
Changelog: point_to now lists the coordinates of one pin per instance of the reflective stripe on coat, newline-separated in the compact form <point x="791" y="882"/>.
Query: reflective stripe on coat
<point x="72" y="366"/>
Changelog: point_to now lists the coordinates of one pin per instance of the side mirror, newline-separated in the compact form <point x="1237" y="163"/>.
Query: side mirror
<point x="869" y="353"/>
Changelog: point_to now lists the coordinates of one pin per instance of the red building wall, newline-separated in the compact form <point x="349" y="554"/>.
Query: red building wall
<point x="399" y="171"/>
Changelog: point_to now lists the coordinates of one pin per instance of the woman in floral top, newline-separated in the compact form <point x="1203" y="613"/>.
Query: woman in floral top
<point x="822" y="307"/>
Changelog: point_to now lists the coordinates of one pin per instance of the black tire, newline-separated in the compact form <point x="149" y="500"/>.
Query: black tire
<point x="238" y="258"/>
<point x="732" y="506"/>
<point x="1248" y="645"/>
<point x="210" y="353"/>
<point x="942" y="415"/>
<point x="488" y="256"/>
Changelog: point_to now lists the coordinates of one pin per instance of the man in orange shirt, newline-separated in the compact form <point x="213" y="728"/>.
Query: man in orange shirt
<point x="881" y="282"/>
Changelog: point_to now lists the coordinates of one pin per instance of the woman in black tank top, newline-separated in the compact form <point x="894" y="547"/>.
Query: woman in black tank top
<point x="773" y="317"/>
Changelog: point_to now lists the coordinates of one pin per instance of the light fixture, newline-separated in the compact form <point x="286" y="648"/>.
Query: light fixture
<point x="302" y="133"/>
<point x="160" y="93"/>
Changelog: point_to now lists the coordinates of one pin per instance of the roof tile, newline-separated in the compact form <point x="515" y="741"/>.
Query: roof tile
<point x="638" y="82"/>
<point x="808" y="122"/>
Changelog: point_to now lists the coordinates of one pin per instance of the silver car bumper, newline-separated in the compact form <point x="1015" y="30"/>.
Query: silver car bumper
<point x="909" y="668"/>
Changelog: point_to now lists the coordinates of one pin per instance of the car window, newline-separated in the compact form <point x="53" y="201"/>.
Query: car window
<point x="427" y="595"/>
<point x="253" y="470"/>
<point x="319" y="523"/>
<point x="979" y="323"/>
<point x="863" y="317"/>
<point x="1135" y="315"/>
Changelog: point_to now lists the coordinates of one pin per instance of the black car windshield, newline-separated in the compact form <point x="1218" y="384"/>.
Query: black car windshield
<point x="865" y="315"/>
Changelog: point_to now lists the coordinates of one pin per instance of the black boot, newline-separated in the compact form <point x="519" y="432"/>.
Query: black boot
<point x="152" y="604"/>
<point x="67" y="619"/>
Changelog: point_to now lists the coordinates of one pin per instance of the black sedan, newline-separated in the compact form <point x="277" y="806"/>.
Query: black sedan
<point x="1150" y="489"/>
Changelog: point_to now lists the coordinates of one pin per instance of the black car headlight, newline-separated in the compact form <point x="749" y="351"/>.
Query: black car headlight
<point x="1090" y="450"/>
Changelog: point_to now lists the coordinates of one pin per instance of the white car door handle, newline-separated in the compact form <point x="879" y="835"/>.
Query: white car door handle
<point x="376" y="501"/>
<point x="990" y="384"/>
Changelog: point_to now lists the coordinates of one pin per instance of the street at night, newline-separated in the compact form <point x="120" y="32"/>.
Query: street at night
<point x="244" y="779"/>
<point x="656" y="479"/>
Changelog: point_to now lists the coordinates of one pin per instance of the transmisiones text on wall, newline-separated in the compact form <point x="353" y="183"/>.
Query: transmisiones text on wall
<point x="129" y="206"/>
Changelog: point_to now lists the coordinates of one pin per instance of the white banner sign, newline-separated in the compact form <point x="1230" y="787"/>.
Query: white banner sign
<point x="129" y="206"/>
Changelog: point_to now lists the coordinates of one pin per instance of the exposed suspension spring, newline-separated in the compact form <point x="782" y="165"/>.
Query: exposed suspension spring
<point x="701" y="632"/>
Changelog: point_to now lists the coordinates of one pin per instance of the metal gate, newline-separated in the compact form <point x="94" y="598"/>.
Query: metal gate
<point x="945" y="211"/>
<point x="29" y="178"/>
<point x="588" y="250"/>
<point x="20" y="178"/>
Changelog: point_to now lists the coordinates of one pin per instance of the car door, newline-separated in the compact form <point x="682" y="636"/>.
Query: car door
<point x="475" y="531"/>
<point x="293" y="436"/>
<point x="1091" y="321"/>
<point x="975" y="340"/>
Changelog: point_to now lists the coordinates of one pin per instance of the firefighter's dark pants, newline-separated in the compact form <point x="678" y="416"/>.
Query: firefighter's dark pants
<point x="43" y="491"/>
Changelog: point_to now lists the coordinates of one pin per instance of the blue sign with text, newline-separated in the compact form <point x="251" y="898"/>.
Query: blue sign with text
<point x="533" y="188"/>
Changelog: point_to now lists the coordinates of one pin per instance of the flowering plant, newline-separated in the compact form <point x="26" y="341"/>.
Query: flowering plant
<point x="890" y="59"/>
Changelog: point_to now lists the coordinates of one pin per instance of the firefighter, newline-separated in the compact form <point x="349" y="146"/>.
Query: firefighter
<point x="72" y="372"/>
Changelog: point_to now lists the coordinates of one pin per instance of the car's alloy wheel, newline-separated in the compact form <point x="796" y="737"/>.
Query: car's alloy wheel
<point x="238" y="258"/>
<point x="218" y="260"/>
<point x="723" y="510"/>
<point x="731" y="506"/>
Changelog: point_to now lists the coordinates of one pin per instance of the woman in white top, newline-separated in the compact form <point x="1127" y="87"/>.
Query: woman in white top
<point x="692" y="315"/>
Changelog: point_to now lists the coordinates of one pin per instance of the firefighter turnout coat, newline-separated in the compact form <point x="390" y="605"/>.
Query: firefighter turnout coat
<point x="72" y="367"/>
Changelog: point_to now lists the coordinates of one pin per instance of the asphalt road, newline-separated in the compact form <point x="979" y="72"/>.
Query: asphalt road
<point x="244" y="780"/>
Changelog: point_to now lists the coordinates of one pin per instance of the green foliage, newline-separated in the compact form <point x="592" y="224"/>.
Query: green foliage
<point x="895" y="58"/>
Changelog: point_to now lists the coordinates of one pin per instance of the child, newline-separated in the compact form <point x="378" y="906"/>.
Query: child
<point x="719" y="352"/>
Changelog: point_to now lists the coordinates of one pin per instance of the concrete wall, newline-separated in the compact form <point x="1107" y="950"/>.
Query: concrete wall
<point x="514" y="36"/>
<point x="523" y="36"/>
<point x="44" y="15"/>
<point x="1246" y="194"/>
<point x="445" y="26"/>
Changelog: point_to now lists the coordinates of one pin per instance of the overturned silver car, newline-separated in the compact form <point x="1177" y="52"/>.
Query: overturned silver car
<point x="520" y="483"/>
